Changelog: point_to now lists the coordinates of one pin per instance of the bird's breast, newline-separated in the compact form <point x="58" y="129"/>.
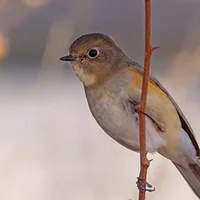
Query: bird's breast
<point x="120" y="122"/>
<point x="112" y="118"/>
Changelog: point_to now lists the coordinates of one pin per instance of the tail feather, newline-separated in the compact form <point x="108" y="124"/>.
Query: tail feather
<point x="192" y="176"/>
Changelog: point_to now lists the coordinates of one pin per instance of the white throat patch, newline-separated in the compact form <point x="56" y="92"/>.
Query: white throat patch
<point x="85" y="78"/>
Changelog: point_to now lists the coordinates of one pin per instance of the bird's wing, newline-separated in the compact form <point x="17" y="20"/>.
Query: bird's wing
<point x="153" y="82"/>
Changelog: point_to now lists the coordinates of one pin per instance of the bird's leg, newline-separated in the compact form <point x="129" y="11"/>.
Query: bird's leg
<point x="148" y="187"/>
<point x="160" y="126"/>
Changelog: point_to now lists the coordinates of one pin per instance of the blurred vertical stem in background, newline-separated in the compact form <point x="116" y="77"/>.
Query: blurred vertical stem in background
<point x="144" y="162"/>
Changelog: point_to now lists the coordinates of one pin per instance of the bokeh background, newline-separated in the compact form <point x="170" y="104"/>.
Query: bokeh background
<point x="50" y="146"/>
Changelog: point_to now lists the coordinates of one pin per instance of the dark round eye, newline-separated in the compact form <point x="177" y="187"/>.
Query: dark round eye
<point x="93" y="53"/>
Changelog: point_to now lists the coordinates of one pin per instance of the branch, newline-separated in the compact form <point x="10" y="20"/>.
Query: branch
<point x="144" y="162"/>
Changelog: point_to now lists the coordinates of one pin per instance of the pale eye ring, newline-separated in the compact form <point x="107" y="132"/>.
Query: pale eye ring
<point x="93" y="53"/>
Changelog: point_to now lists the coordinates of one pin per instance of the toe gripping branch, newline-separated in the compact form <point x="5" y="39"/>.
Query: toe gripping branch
<point x="148" y="187"/>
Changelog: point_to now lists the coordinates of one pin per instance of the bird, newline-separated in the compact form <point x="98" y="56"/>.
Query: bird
<point x="112" y="83"/>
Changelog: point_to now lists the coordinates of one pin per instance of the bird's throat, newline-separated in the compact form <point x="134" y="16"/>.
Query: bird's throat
<point x="88" y="79"/>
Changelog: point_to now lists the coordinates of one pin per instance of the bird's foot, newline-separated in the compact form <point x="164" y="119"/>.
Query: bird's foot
<point x="148" y="187"/>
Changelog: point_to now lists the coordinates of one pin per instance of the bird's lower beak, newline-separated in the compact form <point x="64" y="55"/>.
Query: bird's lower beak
<point x="67" y="58"/>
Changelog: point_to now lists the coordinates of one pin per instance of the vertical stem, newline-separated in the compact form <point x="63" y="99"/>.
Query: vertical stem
<point x="144" y="162"/>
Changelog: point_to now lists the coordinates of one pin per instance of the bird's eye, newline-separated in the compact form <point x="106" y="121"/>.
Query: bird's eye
<point x="93" y="53"/>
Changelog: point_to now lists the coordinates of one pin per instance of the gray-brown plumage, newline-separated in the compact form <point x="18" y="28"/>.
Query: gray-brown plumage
<point x="112" y="83"/>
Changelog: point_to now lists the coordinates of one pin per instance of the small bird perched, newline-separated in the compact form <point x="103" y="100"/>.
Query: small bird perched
<point x="112" y="83"/>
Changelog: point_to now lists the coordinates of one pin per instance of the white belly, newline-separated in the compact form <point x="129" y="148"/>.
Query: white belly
<point x="122" y="125"/>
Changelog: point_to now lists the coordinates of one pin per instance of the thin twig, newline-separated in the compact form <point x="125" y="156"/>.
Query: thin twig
<point x="144" y="162"/>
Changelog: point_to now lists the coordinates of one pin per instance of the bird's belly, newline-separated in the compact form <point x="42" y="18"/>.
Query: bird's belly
<point x="124" y="127"/>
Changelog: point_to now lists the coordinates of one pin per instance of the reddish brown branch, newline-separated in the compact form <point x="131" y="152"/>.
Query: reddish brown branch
<point x="144" y="162"/>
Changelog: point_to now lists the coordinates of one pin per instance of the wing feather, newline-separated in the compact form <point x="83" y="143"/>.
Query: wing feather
<point x="184" y="123"/>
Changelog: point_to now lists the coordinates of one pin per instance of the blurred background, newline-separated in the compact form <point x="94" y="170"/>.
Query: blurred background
<point x="50" y="146"/>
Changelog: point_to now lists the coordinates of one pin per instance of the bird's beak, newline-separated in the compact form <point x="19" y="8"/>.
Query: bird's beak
<point x="67" y="58"/>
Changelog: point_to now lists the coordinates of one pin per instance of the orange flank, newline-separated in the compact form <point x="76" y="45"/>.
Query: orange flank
<point x="152" y="87"/>
<point x="160" y="109"/>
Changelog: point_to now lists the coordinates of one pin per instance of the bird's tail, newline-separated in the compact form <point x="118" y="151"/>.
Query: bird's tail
<point x="192" y="176"/>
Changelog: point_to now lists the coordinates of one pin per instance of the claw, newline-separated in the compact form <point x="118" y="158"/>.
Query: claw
<point x="148" y="187"/>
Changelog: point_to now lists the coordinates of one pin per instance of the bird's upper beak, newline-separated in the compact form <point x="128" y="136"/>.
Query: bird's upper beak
<point x="67" y="58"/>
